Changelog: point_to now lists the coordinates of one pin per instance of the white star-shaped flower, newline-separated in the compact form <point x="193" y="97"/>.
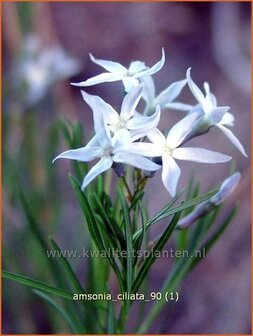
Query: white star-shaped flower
<point x="214" y="115"/>
<point x="108" y="149"/>
<point x="166" y="98"/>
<point x="117" y="72"/>
<point x="169" y="149"/>
<point x="135" y="123"/>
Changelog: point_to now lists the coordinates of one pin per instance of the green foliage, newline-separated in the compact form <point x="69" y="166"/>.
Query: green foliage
<point x="117" y="228"/>
<point x="38" y="285"/>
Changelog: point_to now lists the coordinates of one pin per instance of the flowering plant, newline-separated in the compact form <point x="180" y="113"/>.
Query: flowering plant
<point x="133" y="145"/>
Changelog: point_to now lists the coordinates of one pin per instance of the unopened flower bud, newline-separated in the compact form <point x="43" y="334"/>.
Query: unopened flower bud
<point x="204" y="208"/>
<point x="150" y="174"/>
<point x="201" y="210"/>
<point x="119" y="169"/>
<point x="226" y="188"/>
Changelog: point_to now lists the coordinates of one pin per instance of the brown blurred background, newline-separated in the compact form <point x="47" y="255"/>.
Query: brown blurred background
<point x="212" y="38"/>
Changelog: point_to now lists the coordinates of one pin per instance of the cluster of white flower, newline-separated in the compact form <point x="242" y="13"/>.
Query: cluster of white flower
<point x="119" y="137"/>
<point x="39" y="68"/>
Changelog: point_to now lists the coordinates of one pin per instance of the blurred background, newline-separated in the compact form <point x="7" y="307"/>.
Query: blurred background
<point x="45" y="47"/>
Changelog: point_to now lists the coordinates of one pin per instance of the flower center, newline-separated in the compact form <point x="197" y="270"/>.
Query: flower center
<point x="168" y="149"/>
<point x="118" y="125"/>
<point x="108" y="151"/>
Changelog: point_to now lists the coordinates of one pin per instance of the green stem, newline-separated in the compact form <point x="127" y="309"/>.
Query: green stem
<point x="141" y="183"/>
<point x="108" y="181"/>
<point x="129" y="194"/>
<point x="170" y="285"/>
<point x="123" y="317"/>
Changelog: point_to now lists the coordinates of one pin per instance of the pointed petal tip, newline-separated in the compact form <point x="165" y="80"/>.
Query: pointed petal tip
<point x="244" y="153"/>
<point x="188" y="71"/>
<point x="172" y="193"/>
<point x="77" y="84"/>
<point x="56" y="158"/>
<point x="188" y="74"/>
<point x="91" y="57"/>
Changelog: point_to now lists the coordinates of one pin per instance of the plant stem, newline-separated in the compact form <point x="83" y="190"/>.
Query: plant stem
<point x="141" y="182"/>
<point x="108" y="180"/>
<point x="170" y="285"/>
<point x="129" y="194"/>
<point x="123" y="317"/>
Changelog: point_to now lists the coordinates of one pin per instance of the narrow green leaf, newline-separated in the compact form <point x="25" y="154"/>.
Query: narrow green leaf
<point x="65" y="129"/>
<point x="64" y="314"/>
<point x="180" y="271"/>
<point x="87" y="211"/>
<point x="32" y="220"/>
<point x="37" y="285"/>
<point x="107" y="237"/>
<point x="77" y="135"/>
<point x="111" y="325"/>
<point x="129" y="241"/>
<point x="109" y="253"/>
<point x="202" y="226"/>
<point x="215" y="237"/>
<point x="68" y="269"/>
<point x="167" y="211"/>
<point x="182" y="235"/>
<point x="100" y="185"/>
<point x="138" y="242"/>
<point x="136" y="198"/>
<point x="152" y="256"/>
<point x="111" y="225"/>
<point x="73" y="135"/>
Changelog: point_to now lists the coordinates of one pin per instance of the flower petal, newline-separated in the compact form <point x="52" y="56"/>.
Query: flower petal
<point x="235" y="141"/>
<point x="142" y="148"/>
<point x="140" y="124"/>
<point x="121" y="138"/>
<point x="181" y="129"/>
<point x="109" y="65"/>
<point x="227" y="119"/>
<point x="102" y="78"/>
<point x="136" y="67"/>
<point x="210" y="98"/>
<point x="199" y="155"/>
<point x="195" y="89"/>
<point x="155" y="68"/>
<point x="130" y="83"/>
<point x="217" y="113"/>
<point x="130" y="102"/>
<point x="104" y="137"/>
<point x="156" y="137"/>
<point x="102" y="112"/>
<point x="148" y="89"/>
<point x="179" y="106"/>
<point x="94" y="142"/>
<point x="83" y="154"/>
<point x="137" y="161"/>
<point x="104" y="164"/>
<point x="170" y="174"/>
<point x="169" y="94"/>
